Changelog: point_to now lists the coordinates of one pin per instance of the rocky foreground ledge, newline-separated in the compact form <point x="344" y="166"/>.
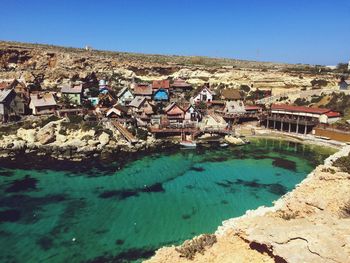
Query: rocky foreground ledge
<point x="309" y="224"/>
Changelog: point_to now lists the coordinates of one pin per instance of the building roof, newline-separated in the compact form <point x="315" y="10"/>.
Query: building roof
<point x="231" y="94"/>
<point x="42" y="100"/>
<point x="4" y="94"/>
<point x="180" y="83"/>
<point x="333" y="114"/>
<point x="199" y="90"/>
<point x="117" y="108"/>
<point x="303" y="109"/>
<point x="252" y="107"/>
<point x="121" y="108"/>
<point x="76" y="89"/>
<point x="157" y="84"/>
<point x="137" y="102"/>
<point x="5" y="84"/>
<point x="122" y="91"/>
<point x="173" y="109"/>
<point x="143" y="90"/>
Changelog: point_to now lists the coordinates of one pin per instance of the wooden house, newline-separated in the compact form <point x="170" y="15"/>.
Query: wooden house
<point x="141" y="107"/>
<point x="299" y="119"/>
<point x="160" y="84"/>
<point x="204" y="94"/>
<point x="21" y="103"/>
<point x="7" y="98"/>
<point x="161" y="95"/>
<point x="180" y="85"/>
<point x="73" y="93"/>
<point x="118" y="111"/>
<point x="231" y="95"/>
<point x="192" y="114"/>
<point x="41" y="104"/>
<point x="175" y="113"/>
<point x="234" y="107"/>
<point x="124" y="96"/>
<point x="143" y="90"/>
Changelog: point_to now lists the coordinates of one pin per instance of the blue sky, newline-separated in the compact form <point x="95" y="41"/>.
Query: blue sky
<point x="299" y="31"/>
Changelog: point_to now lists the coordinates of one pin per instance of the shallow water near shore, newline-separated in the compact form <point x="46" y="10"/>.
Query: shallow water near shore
<point x="109" y="213"/>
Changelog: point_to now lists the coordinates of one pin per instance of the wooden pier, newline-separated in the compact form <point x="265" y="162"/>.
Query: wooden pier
<point x="124" y="132"/>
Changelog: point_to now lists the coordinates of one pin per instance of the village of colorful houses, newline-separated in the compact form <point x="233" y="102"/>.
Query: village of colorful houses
<point x="163" y="107"/>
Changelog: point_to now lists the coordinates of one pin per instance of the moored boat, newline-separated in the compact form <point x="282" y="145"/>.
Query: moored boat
<point x="188" y="144"/>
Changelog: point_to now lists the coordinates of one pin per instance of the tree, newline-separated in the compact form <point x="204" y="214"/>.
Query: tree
<point x="66" y="101"/>
<point x="202" y="106"/>
<point x="342" y="67"/>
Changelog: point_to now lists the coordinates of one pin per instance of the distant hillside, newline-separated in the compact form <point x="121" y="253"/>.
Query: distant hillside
<point x="154" y="58"/>
<point x="47" y="67"/>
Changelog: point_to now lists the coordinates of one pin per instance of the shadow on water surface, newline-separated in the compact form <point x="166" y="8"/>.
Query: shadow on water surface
<point x="126" y="193"/>
<point x="28" y="206"/>
<point x="277" y="189"/>
<point x="22" y="185"/>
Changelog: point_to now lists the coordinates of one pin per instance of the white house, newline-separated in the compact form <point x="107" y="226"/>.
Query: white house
<point x="204" y="94"/>
<point x="234" y="107"/>
<point x="125" y="96"/>
<point x="191" y="114"/>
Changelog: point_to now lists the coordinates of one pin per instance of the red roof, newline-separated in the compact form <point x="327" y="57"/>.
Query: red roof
<point x="299" y="109"/>
<point x="333" y="114"/>
<point x="180" y="83"/>
<point x="251" y="107"/>
<point x="175" y="110"/>
<point x="144" y="90"/>
<point x="157" y="84"/>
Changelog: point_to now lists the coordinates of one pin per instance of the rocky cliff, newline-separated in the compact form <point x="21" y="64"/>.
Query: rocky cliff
<point x="45" y="67"/>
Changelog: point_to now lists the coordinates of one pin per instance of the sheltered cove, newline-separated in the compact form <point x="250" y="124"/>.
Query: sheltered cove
<point x="222" y="236"/>
<point x="307" y="224"/>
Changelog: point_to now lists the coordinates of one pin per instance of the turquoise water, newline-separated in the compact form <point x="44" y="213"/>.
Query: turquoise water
<point x="59" y="212"/>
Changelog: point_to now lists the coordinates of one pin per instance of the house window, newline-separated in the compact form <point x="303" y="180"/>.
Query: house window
<point x="204" y="97"/>
<point x="193" y="116"/>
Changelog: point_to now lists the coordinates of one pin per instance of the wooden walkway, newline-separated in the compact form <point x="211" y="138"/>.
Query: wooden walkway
<point x="172" y="130"/>
<point x="123" y="131"/>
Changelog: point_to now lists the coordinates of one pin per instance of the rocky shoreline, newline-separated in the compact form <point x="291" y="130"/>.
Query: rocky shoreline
<point x="55" y="141"/>
<point x="309" y="224"/>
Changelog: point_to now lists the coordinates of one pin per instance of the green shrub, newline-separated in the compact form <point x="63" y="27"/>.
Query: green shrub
<point x="245" y="88"/>
<point x="142" y="134"/>
<point x="43" y="121"/>
<point x="343" y="163"/>
<point x="301" y="102"/>
<point x="76" y="119"/>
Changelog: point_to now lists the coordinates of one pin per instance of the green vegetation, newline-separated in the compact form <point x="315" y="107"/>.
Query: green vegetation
<point x="342" y="68"/>
<point x="198" y="245"/>
<point x="301" y="102"/>
<point x="319" y="83"/>
<point x="343" y="163"/>
<point x="316" y="98"/>
<point x="245" y="88"/>
<point x="142" y="133"/>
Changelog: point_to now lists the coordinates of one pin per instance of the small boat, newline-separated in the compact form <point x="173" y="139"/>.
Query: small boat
<point x="246" y="141"/>
<point x="188" y="144"/>
<point x="223" y="144"/>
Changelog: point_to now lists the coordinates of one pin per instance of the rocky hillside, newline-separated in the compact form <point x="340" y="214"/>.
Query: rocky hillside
<point x="46" y="67"/>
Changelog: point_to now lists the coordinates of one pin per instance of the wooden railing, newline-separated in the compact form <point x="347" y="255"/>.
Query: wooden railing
<point x="291" y="120"/>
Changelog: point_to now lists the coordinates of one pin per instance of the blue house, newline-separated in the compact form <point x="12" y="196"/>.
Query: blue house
<point x="161" y="95"/>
